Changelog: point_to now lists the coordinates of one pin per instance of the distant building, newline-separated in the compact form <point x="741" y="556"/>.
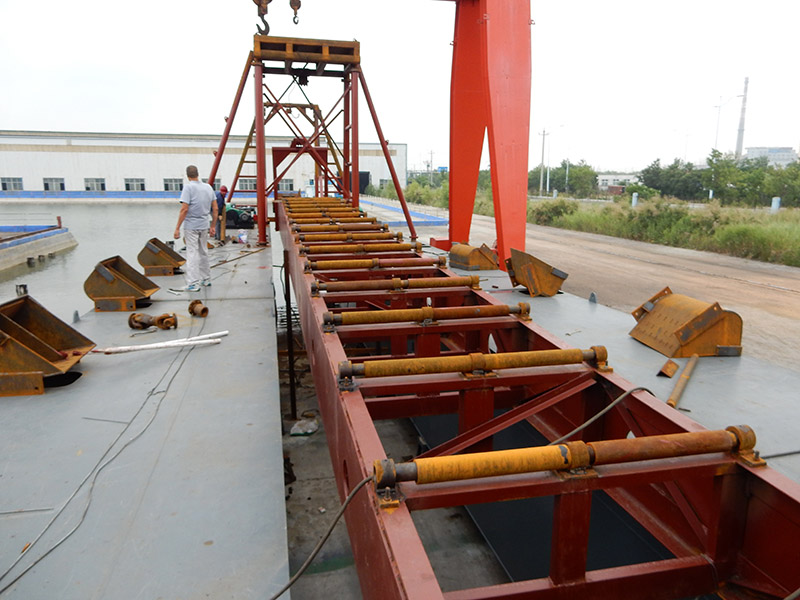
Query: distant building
<point x="615" y="180"/>
<point x="74" y="164"/>
<point x="777" y="156"/>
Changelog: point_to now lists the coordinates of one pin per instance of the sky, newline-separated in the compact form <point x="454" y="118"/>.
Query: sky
<point x="617" y="84"/>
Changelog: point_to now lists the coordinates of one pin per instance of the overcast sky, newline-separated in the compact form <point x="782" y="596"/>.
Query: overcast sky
<point x="616" y="83"/>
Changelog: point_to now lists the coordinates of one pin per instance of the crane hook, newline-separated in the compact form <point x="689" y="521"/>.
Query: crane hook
<point x="262" y="13"/>
<point x="263" y="30"/>
<point x="295" y="4"/>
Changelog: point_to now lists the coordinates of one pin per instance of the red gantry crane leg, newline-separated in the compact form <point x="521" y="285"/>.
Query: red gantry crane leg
<point x="490" y="90"/>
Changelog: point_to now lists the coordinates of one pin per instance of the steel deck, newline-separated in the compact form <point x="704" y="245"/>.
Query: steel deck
<point x="193" y="504"/>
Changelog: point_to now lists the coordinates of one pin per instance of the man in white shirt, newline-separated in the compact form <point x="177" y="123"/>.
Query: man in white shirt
<point x="198" y="201"/>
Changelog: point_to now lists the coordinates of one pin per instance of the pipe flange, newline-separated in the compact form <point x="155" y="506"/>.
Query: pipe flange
<point x="168" y="321"/>
<point x="745" y="437"/>
<point x="384" y="473"/>
<point x="138" y="321"/>
<point x="197" y="309"/>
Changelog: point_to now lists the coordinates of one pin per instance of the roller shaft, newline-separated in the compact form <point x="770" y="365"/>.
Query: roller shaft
<point x="571" y="455"/>
<point x="425" y="313"/>
<point x="469" y="363"/>
<point x="395" y="283"/>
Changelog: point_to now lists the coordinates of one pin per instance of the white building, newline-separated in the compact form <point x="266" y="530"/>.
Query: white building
<point x="51" y="163"/>
<point x="776" y="155"/>
<point x="604" y="180"/>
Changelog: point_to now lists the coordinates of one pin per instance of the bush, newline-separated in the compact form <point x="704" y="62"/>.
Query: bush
<point x="645" y="193"/>
<point x="549" y="211"/>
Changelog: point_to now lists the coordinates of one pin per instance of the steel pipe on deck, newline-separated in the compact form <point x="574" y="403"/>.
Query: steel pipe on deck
<point x="344" y="228"/>
<point x="572" y="455"/>
<point x="361" y="248"/>
<point x="470" y="363"/>
<point x="395" y="283"/>
<point x="426" y="313"/>
<point x="348" y="237"/>
<point x="316" y="214"/>
<point x="331" y="221"/>
<point x="376" y="263"/>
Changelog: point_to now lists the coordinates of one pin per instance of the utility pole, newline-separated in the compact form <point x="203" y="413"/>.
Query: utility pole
<point x="430" y="169"/>
<point x="544" y="134"/>
<point x="740" y="138"/>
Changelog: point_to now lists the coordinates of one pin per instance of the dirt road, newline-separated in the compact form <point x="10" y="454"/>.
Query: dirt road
<point x="625" y="274"/>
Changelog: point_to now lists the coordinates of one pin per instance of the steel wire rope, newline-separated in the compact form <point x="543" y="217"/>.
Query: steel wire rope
<point x="323" y="539"/>
<point x="616" y="401"/>
<point x="230" y="260"/>
<point x="95" y="472"/>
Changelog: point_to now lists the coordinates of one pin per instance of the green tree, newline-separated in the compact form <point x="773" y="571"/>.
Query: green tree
<point x="582" y="180"/>
<point x="722" y="176"/>
<point x="785" y="184"/>
<point x="650" y="176"/>
<point x="681" y="180"/>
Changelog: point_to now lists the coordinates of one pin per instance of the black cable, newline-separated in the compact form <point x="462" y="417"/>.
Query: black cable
<point x="619" y="399"/>
<point x="224" y="262"/>
<point x="324" y="538"/>
<point x="780" y="454"/>
<point x="95" y="472"/>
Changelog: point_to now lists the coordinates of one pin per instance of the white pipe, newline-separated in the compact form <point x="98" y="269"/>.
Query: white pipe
<point x="207" y="336"/>
<point x="157" y="346"/>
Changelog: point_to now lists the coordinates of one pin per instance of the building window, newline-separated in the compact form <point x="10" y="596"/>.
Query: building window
<point x="215" y="186"/>
<point x="94" y="184"/>
<point x="286" y="185"/>
<point x="248" y="185"/>
<point x="11" y="184"/>
<point x="134" y="185"/>
<point x="54" y="184"/>
<point x="173" y="185"/>
<point x="385" y="183"/>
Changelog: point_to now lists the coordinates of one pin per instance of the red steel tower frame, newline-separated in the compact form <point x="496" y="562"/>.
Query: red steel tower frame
<point x="490" y="92"/>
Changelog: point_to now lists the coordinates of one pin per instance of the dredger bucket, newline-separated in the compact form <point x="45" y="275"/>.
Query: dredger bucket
<point x="679" y="326"/>
<point x="463" y="256"/>
<point x="159" y="259"/>
<point x="35" y="344"/>
<point x="536" y="275"/>
<point x="115" y="285"/>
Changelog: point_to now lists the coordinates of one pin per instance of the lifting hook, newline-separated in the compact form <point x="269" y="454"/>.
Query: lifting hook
<point x="262" y="13"/>
<point x="295" y="4"/>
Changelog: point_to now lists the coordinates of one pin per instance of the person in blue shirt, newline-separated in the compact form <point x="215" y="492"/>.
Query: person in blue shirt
<point x="197" y="203"/>
<point x="223" y="191"/>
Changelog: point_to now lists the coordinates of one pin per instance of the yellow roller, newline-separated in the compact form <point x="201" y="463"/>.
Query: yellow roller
<point x="470" y="363"/>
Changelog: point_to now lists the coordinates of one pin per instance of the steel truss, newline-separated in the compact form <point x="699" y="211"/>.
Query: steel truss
<point x="730" y="524"/>
<point x="301" y="59"/>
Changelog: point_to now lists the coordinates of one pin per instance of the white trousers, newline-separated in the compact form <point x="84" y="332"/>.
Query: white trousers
<point x="196" y="255"/>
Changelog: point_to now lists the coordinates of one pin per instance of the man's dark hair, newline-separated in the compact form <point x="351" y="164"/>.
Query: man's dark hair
<point x="191" y="172"/>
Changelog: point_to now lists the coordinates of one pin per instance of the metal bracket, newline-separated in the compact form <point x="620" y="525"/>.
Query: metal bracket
<point x="389" y="498"/>
<point x="346" y="384"/>
<point x="603" y="367"/>
<point x="578" y="473"/>
<point x="752" y="458"/>
<point x="479" y="373"/>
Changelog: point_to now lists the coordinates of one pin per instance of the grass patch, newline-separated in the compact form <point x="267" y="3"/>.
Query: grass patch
<point x="743" y="232"/>
<point x="739" y="232"/>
